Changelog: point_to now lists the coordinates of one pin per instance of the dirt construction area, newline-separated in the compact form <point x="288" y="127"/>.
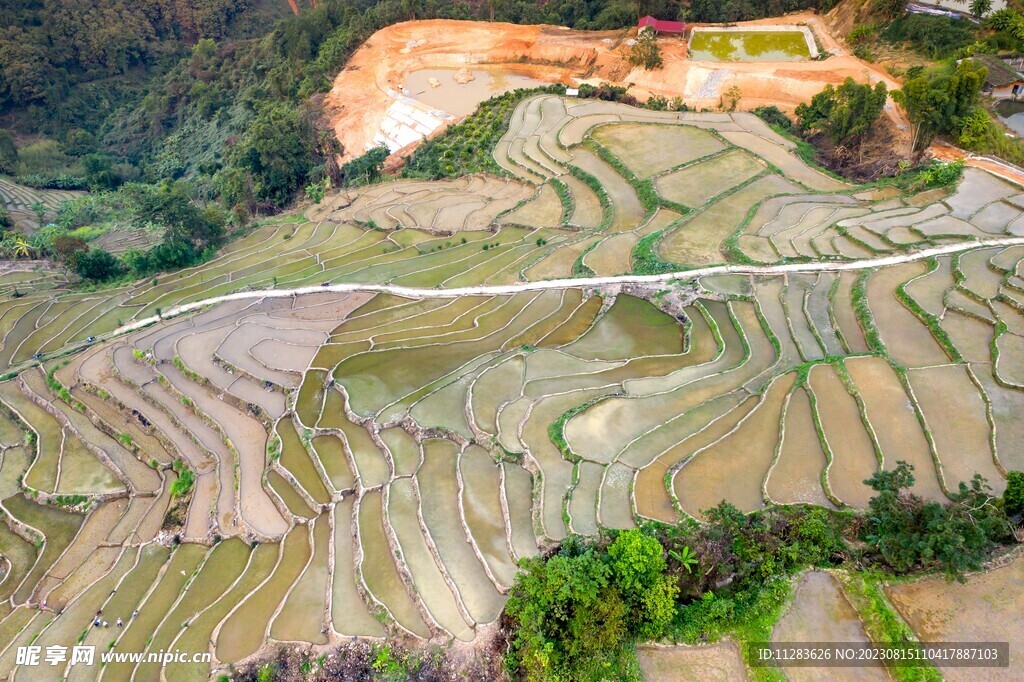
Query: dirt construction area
<point x="370" y="98"/>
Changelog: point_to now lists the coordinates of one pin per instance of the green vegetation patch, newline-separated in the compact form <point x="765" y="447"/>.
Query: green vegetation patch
<point x="468" y="147"/>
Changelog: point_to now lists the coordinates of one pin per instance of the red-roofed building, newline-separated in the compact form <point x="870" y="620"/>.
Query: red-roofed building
<point x="661" y="26"/>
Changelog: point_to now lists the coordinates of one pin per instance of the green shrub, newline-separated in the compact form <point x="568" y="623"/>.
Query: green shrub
<point x="363" y="170"/>
<point x="1013" y="496"/>
<point x="863" y="33"/>
<point x="315" y="191"/>
<point x="980" y="133"/>
<point x="906" y="533"/>
<point x="266" y="673"/>
<point x="578" y="613"/>
<point x="942" y="174"/>
<point x="864" y="52"/>
<point x="773" y="116"/>
<point x="645" y="259"/>
<point x="467" y="147"/>
<point x="645" y="51"/>
<point x="934" y="36"/>
<point x="638" y="566"/>
<point x="183" y="485"/>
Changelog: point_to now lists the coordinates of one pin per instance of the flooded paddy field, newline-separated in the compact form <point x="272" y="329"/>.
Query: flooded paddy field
<point x="374" y="463"/>
<point x="423" y="233"/>
<point x="713" y="663"/>
<point x="459" y="91"/>
<point x="403" y="504"/>
<point x="986" y="607"/>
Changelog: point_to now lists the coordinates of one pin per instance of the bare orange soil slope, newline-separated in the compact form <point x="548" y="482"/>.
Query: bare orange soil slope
<point x="369" y="84"/>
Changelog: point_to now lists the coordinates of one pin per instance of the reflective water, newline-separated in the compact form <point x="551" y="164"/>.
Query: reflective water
<point x="461" y="99"/>
<point x="748" y="46"/>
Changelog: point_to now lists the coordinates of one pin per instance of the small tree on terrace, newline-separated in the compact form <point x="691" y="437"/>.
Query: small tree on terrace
<point x="645" y="52"/>
<point x="980" y="8"/>
<point x="67" y="249"/>
<point x="97" y="265"/>
<point x="907" y="533"/>
<point x="731" y="98"/>
<point x="844" y="113"/>
<point x="1013" y="496"/>
<point x="185" y="223"/>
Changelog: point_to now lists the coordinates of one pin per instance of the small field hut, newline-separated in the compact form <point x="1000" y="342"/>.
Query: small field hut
<point x="1003" y="81"/>
<point x="661" y="26"/>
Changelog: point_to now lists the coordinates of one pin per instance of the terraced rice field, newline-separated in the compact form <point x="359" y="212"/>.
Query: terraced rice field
<point x="20" y="199"/>
<point x="388" y="453"/>
<point x="985" y="606"/>
<point x="712" y="663"/>
<point x="698" y="196"/>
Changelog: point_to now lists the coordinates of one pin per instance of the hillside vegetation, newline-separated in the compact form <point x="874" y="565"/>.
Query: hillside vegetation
<point x="925" y="51"/>
<point x="195" y="89"/>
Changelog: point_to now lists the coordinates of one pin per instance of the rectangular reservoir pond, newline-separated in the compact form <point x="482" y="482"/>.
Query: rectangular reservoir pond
<point x="749" y="45"/>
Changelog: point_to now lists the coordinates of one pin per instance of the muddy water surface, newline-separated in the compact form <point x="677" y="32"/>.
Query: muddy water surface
<point x="461" y="99"/>
<point x="821" y="613"/>
<point x="988" y="607"/>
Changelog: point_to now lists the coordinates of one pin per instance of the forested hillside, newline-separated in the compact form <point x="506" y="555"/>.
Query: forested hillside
<point x="212" y="91"/>
<point x="212" y="102"/>
<point x="48" y="47"/>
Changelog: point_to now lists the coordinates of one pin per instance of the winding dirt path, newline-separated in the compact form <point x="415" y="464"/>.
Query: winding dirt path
<point x="579" y="282"/>
<point x="997" y="167"/>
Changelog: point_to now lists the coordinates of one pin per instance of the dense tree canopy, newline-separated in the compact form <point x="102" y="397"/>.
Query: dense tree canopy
<point x="48" y="45"/>
<point x="170" y="206"/>
<point x="743" y="10"/>
<point x="276" y="152"/>
<point x="935" y="37"/>
<point x="8" y="152"/>
<point x="97" y="265"/>
<point x="909" y="533"/>
<point x="576" y="611"/>
<point x="845" y="113"/>
<point x="203" y="89"/>
<point x="938" y="99"/>
<point x="364" y="169"/>
<point x="575" y="614"/>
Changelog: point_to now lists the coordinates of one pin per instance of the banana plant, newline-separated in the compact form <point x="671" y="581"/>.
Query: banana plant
<point x="686" y="556"/>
